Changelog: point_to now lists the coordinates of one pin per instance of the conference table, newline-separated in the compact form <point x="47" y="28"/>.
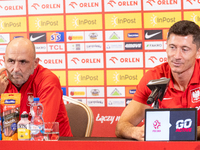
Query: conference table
<point x="99" y="143"/>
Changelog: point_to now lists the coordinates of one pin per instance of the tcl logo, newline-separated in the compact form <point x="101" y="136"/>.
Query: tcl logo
<point x="124" y="60"/>
<point x="91" y="4"/>
<point x="184" y="125"/>
<point x="45" y="6"/>
<point x="122" y="3"/>
<point x="161" y="59"/>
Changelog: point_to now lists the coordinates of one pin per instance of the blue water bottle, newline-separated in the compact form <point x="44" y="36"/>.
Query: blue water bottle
<point x="37" y="122"/>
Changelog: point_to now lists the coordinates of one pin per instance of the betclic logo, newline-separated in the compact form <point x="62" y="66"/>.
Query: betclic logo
<point x="85" y="60"/>
<point x="13" y="24"/>
<point x="87" y="77"/>
<point x="46" y="23"/>
<point x="74" y="6"/>
<point x="161" y="19"/>
<point x="45" y="7"/>
<point x="161" y="5"/>
<point x="124" y="60"/>
<point x="84" y="22"/>
<point x="8" y="8"/>
<point x="191" y="4"/>
<point x="193" y="16"/>
<point x="124" y="77"/>
<point x="123" y="21"/>
<point x="121" y="5"/>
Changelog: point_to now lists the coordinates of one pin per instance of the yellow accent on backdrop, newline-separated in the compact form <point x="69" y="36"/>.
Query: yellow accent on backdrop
<point x="83" y="78"/>
<point x="192" y="16"/>
<point x="123" y="21"/>
<point x="161" y="19"/>
<point x="84" y="22"/>
<point x="13" y="24"/>
<point x="46" y="23"/>
<point x="61" y="76"/>
<point x="124" y="77"/>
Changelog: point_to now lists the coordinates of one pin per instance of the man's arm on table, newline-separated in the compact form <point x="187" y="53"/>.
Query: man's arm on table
<point x="198" y="132"/>
<point x="130" y="118"/>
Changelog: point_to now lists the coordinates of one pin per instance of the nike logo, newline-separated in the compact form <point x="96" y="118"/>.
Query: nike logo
<point x="151" y="35"/>
<point x="36" y="38"/>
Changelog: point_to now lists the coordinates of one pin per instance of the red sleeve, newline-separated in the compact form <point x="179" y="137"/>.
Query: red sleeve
<point x="50" y="94"/>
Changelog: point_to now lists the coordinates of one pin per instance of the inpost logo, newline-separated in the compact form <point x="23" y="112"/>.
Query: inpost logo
<point x="46" y="23"/>
<point x="124" y="77"/>
<point x="82" y="22"/>
<point x="83" y="78"/>
<point x="193" y="16"/>
<point x="61" y="76"/>
<point x="161" y="20"/>
<point x="121" y="21"/>
<point x="13" y="24"/>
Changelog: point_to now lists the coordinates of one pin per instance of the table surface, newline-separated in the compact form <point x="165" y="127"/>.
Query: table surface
<point x="99" y="143"/>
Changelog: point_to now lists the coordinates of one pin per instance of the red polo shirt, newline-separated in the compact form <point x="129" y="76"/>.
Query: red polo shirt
<point x="173" y="98"/>
<point x="45" y="85"/>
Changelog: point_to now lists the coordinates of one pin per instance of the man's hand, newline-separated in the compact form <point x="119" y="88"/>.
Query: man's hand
<point x="3" y="81"/>
<point x="139" y="133"/>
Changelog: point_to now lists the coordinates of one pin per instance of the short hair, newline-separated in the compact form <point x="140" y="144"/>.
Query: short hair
<point x="184" y="28"/>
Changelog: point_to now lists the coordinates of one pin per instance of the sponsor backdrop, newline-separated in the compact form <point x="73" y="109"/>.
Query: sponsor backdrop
<point x="99" y="49"/>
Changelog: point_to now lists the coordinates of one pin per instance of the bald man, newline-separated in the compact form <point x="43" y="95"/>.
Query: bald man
<point x="25" y="75"/>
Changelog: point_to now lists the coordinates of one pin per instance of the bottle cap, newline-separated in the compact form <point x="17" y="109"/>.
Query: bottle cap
<point x="24" y="115"/>
<point x="36" y="99"/>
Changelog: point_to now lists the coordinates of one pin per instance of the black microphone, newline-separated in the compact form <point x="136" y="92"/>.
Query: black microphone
<point x="158" y="88"/>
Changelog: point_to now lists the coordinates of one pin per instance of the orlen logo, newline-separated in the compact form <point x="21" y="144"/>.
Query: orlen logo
<point x="86" y="60"/>
<point x="184" y="125"/>
<point x="125" y="60"/>
<point x="153" y="59"/>
<point x="78" y="22"/>
<point x="191" y="2"/>
<point x="122" y="3"/>
<point x="156" y="125"/>
<point x="45" y="6"/>
<point x="14" y="7"/>
<point x="81" y="5"/>
<point x="159" y="2"/>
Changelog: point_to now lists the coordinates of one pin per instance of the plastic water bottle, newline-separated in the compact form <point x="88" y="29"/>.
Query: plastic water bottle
<point x="37" y="122"/>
